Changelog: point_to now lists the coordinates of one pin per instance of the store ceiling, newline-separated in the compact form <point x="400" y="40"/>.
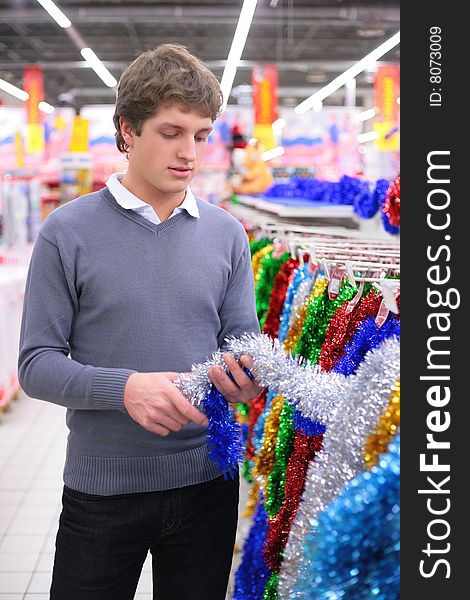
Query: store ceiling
<point x="312" y="41"/>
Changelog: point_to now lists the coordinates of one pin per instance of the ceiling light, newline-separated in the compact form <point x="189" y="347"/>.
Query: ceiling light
<point x="11" y="89"/>
<point x="46" y="107"/>
<point x="349" y="74"/>
<point x="369" y="136"/>
<point x="273" y="153"/>
<point x="236" y="49"/>
<point x="55" y="13"/>
<point x="366" y="114"/>
<point x="398" y="100"/>
<point x="98" y="67"/>
<point x="371" y="31"/>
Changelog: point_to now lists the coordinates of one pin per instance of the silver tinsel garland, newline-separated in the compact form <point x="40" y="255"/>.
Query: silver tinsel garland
<point x="312" y="391"/>
<point x="349" y="406"/>
<point x="355" y="415"/>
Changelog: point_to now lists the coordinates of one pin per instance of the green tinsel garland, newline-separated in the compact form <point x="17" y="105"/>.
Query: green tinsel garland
<point x="283" y="450"/>
<point x="316" y="323"/>
<point x="268" y="270"/>
<point x="271" y="589"/>
<point x="256" y="245"/>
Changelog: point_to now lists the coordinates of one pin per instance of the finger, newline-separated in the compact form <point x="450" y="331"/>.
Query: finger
<point x="174" y="414"/>
<point x="168" y="422"/>
<point x="171" y="375"/>
<point x="156" y="428"/>
<point x="224" y="384"/>
<point x="247" y="361"/>
<point x="241" y="378"/>
<point x="186" y="409"/>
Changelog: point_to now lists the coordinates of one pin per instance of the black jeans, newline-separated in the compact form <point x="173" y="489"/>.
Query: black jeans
<point x="103" y="541"/>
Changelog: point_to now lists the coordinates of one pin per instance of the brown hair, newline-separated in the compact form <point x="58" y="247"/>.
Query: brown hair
<point x="167" y="74"/>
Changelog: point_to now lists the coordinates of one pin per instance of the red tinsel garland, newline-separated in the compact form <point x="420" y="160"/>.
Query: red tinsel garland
<point x="391" y="205"/>
<point x="342" y="327"/>
<point x="278" y="297"/>
<point x="279" y="526"/>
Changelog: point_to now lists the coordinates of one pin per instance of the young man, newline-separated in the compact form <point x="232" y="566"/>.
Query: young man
<point x="136" y="283"/>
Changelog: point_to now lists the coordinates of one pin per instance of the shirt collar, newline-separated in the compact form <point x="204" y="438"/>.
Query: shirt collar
<point x="128" y="200"/>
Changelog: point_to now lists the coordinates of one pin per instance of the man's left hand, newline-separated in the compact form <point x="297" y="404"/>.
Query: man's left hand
<point x="242" y="389"/>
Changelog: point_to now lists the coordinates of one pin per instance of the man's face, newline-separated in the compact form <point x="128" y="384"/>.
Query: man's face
<point x="169" y="151"/>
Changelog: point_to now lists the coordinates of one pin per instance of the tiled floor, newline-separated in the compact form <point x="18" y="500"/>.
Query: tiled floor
<point x="32" y="446"/>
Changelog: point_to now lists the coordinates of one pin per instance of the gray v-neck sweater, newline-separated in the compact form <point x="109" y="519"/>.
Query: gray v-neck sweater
<point x="110" y="293"/>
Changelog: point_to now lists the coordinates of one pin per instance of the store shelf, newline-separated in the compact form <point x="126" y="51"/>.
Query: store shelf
<point x="302" y="210"/>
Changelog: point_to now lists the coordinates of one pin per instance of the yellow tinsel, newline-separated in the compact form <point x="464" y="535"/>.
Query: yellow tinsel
<point x="264" y="460"/>
<point x="257" y="258"/>
<point x="377" y="443"/>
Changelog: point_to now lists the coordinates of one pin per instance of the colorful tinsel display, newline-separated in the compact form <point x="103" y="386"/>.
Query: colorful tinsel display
<point x="295" y="330"/>
<point x="278" y="296"/>
<point x="378" y="441"/>
<point x="300" y="274"/>
<point x="354" y="415"/>
<point x="367" y="336"/>
<point x="304" y="450"/>
<point x="253" y="573"/>
<point x="269" y="268"/>
<point x="257" y="259"/>
<point x="319" y="313"/>
<point x="343" y="324"/>
<point x="355" y="550"/>
<point x="283" y="449"/>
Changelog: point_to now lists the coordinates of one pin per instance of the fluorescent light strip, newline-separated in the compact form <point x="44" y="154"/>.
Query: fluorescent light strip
<point x="349" y="74"/>
<point x="236" y="49"/>
<point x="55" y="13"/>
<point x="366" y="114"/>
<point x="13" y="90"/>
<point x="46" y="107"/>
<point x="98" y="67"/>
<point x="369" y="136"/>
<point x="273" y="153"/>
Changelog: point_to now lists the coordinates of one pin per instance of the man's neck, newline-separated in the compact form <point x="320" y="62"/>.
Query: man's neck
<point x="162" y="203"/>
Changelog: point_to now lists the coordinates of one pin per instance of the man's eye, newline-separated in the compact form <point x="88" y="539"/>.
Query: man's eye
<point x="169" y="136"/>
<point x="200" y="139"/>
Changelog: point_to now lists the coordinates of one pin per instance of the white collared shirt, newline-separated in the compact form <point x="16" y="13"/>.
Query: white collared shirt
<point x="128" y="200"/>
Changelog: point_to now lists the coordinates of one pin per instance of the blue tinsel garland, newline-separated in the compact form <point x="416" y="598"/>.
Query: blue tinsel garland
<point x="300" y="274"/>
<point x="253" y="573"/>
<point x="354" y="551"/>
<point x="367" y="336"/>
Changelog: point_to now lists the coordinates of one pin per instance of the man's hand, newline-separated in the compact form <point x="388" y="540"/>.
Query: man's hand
<point x="153" y="401"/>
<point x="243" y="389"/>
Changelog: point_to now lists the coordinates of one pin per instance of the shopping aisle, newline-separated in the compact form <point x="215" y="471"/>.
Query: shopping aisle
<point x="32" y="447"/>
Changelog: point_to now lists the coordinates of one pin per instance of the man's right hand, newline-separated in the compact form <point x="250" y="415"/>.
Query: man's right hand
<point x="153" y="401"/>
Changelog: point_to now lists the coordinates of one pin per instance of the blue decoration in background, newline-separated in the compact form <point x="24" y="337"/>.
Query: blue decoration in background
<point x="367" y="336"/>
<point x="393" y="229"/>
<point x="253" y="573"/>
<point x="354" y="551"/>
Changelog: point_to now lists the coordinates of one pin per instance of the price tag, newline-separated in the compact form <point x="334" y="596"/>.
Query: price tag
<point x="335" y="282"/>
<point x="352" y="303"/>
<point x="382" y="314"/>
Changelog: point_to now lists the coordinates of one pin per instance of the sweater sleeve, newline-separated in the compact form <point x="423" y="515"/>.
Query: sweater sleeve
<point x="45" y="370"/>
<point x="238" y="311"/>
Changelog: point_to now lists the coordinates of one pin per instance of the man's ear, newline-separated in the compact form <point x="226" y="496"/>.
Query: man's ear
<point x="127" y="131"/>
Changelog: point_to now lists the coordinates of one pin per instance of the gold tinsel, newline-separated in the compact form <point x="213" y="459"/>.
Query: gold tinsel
<point x="250" y="506"/>
<point x="264" y="460"/>
<point x="257" y="258"/>
<point x="295" y="330"/>
<point x="377" y="443"/>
